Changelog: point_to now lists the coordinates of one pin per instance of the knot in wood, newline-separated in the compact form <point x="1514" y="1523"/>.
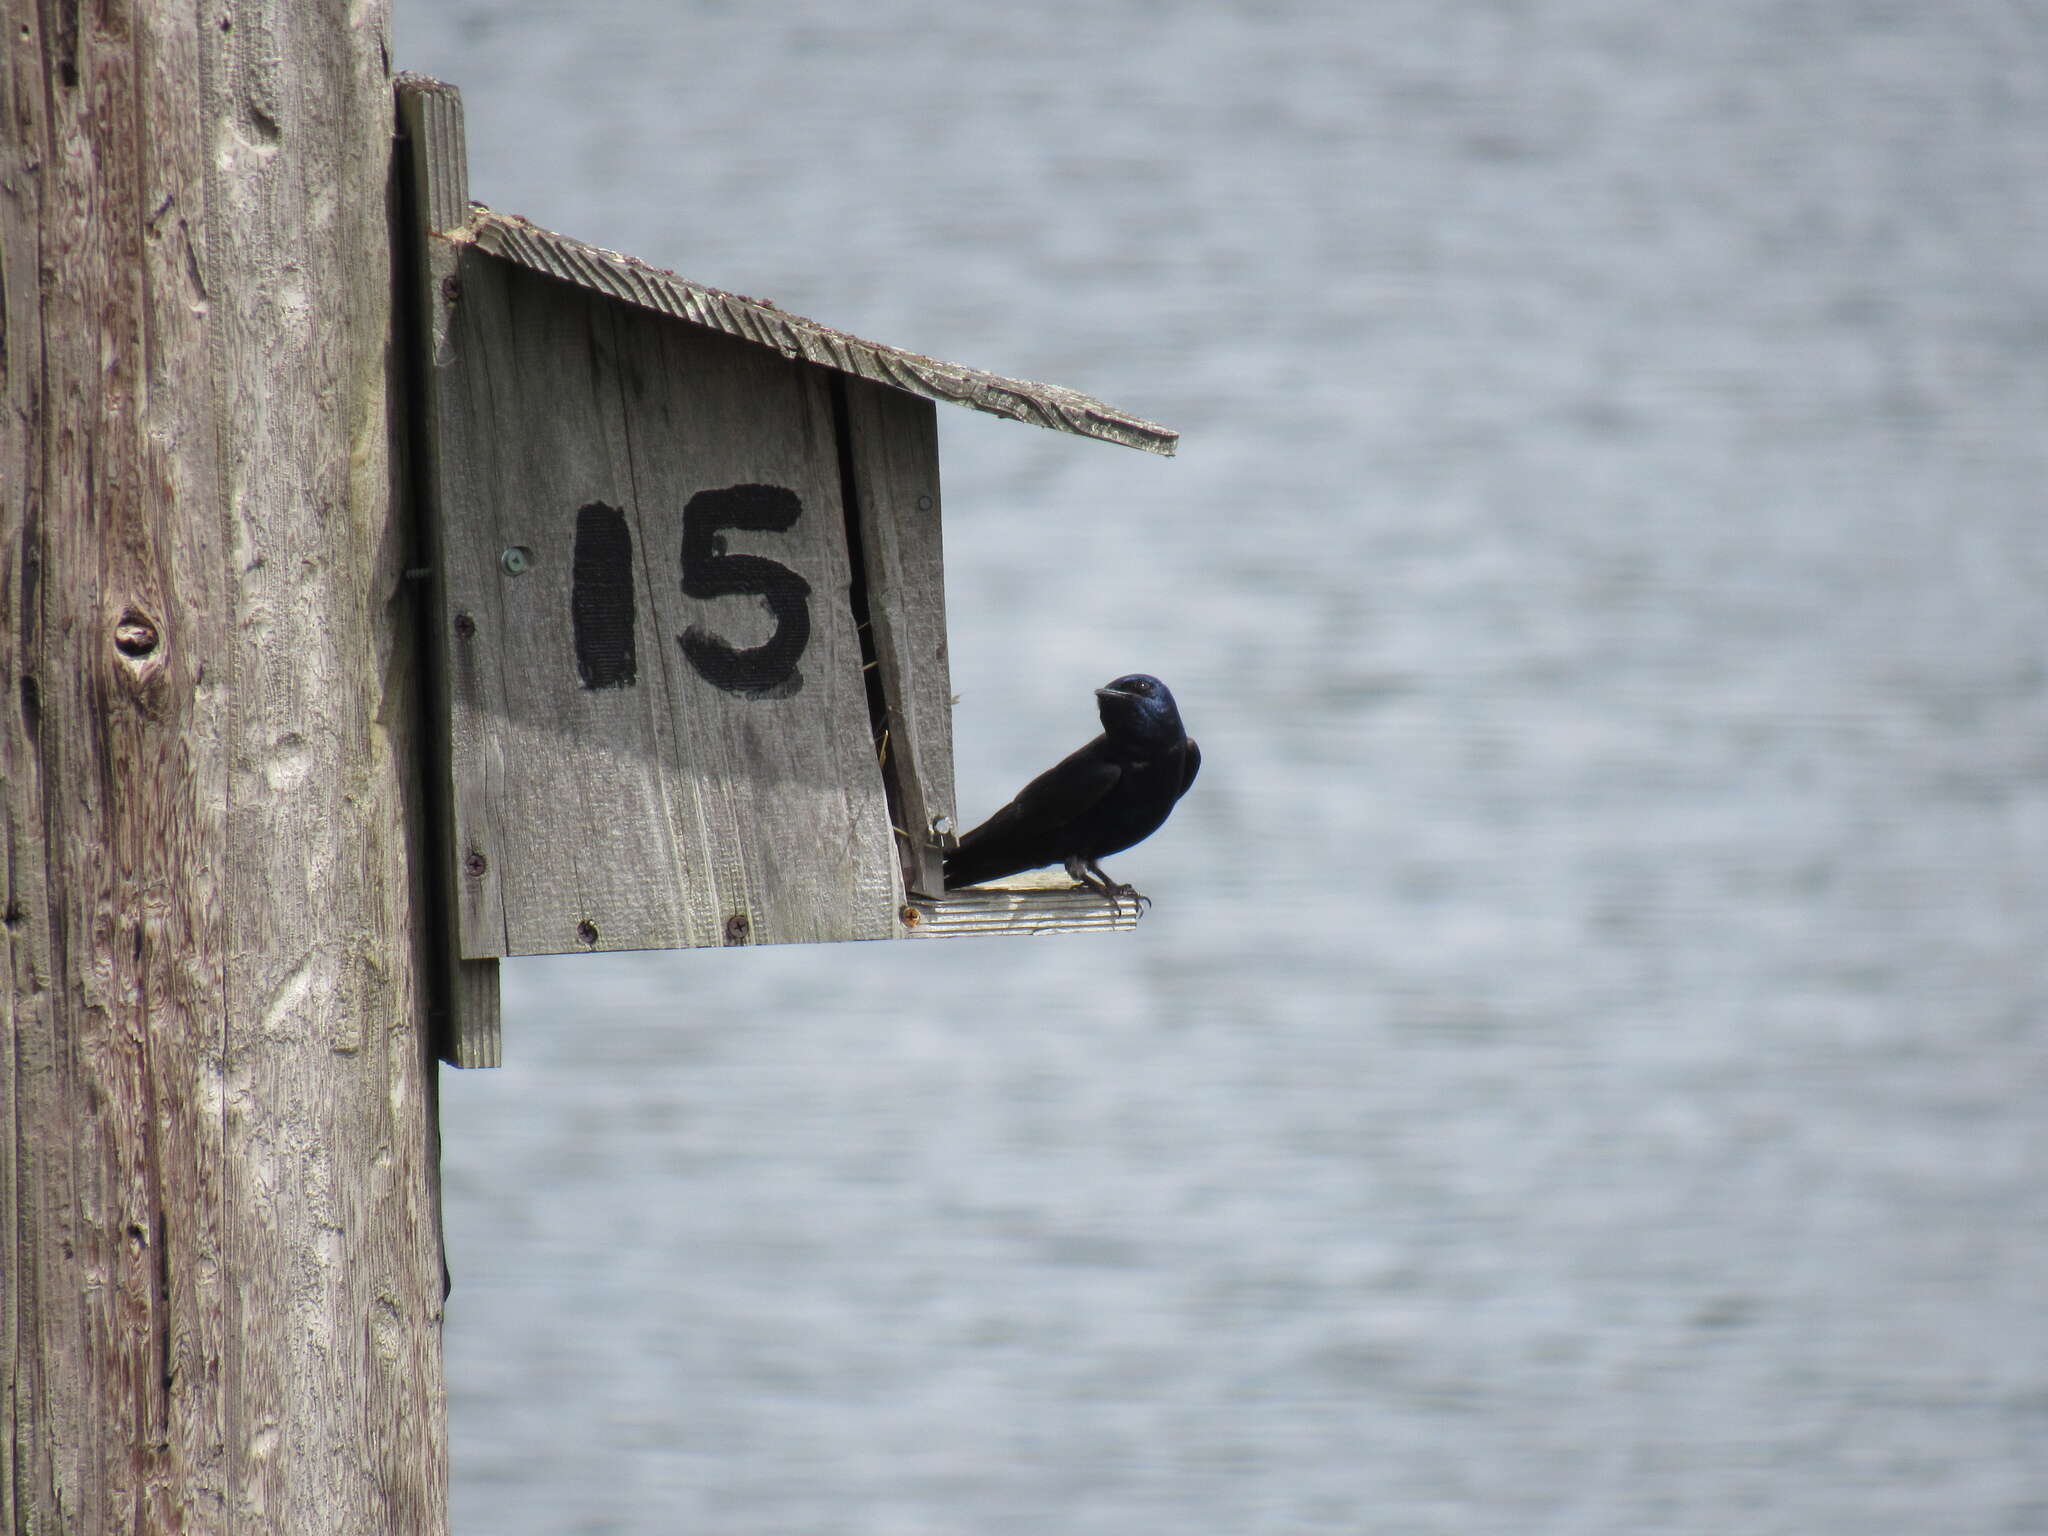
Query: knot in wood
<point x="135" y="635"/>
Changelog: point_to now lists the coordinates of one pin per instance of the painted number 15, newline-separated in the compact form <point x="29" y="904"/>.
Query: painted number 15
<point x="601" y="604"/>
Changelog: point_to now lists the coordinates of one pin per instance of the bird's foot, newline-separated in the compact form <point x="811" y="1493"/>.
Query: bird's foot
<point x="1106" y="891"/>
<point x="1096" y="878"/>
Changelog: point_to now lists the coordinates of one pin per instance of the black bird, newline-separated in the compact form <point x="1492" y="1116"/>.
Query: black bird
<point x="1115" y="792"/>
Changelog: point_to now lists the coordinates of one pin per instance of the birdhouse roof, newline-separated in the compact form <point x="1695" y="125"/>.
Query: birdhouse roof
<point x="633" y="281"/>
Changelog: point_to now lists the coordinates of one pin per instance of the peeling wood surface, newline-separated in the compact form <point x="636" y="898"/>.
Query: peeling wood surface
<point x="760" y="322"/>
<point x="219" y="1253"/>
<point x="1043" y="901"/>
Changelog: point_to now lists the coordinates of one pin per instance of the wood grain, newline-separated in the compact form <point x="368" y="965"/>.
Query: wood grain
<point x="648" y="287"/>
<point x="220" y="1255"/>
<point x="893" y="459"/>
<point x="433" y="200"/>
<point x="1040" y="902"/>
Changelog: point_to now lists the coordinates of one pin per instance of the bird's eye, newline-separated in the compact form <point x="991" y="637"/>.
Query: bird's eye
<point x="1142" y="687"/>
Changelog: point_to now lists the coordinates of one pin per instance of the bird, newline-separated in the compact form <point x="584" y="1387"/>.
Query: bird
<point x="1108" y="796"/>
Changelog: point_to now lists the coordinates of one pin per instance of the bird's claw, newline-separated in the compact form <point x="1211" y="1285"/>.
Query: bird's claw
<point x="1117" y="893"/>
<point x="1113" y="893"/>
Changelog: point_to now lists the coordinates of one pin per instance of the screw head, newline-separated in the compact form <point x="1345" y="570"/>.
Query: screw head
<point x="517" y="560"/>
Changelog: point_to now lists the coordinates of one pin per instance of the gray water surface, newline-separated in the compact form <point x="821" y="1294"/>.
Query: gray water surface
<point x="1584" y="1070"/>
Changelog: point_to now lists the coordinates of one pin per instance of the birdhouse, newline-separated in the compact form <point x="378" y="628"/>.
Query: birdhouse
<point x="685" y="603"/>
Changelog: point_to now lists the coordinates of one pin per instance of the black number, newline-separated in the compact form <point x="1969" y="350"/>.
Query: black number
<point x="708" y="571"/>
<point x="601" y="597"/>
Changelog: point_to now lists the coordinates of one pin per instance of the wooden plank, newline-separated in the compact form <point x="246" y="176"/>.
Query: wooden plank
<point x="784" y="819"/>
<point x="472" y="1033"/>
<point x="564" y="834"/>
<point x="219" y="1252"/>
<point x="435" y="201"/>
<point x="1040" y="902"/>
<point x="893" y="465"/>
<point x="430" y="113"/>
<point x="792" y="336"/>
<point x="598" y="811"/>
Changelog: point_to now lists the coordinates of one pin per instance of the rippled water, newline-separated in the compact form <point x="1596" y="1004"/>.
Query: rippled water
<point x="1584" y="1070"/>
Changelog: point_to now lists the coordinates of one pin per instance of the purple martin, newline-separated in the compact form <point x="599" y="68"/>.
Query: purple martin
<point x="1113" y="793"/>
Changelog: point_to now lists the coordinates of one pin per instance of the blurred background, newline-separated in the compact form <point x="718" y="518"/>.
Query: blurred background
<point x="1584" y="1070"/>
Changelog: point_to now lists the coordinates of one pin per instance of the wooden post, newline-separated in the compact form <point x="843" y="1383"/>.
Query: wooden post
<point x="220" y="1272"/>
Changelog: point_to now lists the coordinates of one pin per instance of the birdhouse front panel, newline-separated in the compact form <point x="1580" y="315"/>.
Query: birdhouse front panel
<point x="663" y="728"/>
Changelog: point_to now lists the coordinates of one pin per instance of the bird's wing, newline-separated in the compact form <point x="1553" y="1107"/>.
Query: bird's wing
<point x="1065" y="790"/>
<point x="1191" y="760"/>
<point x="1026" y="833"/>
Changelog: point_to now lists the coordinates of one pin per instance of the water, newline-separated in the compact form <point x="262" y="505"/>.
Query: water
<point x="1583" y="1071"/>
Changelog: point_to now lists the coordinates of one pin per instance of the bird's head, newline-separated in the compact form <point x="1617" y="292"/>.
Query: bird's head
<point x="1139" y="708"/>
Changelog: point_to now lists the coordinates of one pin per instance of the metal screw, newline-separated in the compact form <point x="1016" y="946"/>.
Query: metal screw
<point x="943" y="825"/>
<point x="924" y="503"/>
<point x="516" y="560"/>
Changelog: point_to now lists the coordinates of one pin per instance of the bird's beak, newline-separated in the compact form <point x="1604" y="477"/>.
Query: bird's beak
<point x="1114" y="693"/>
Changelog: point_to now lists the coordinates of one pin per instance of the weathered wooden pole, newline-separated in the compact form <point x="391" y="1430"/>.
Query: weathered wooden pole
<point x="219" y="1241"/>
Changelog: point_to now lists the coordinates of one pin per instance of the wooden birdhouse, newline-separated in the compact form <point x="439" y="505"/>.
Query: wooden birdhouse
<point x="687" y="603"/>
